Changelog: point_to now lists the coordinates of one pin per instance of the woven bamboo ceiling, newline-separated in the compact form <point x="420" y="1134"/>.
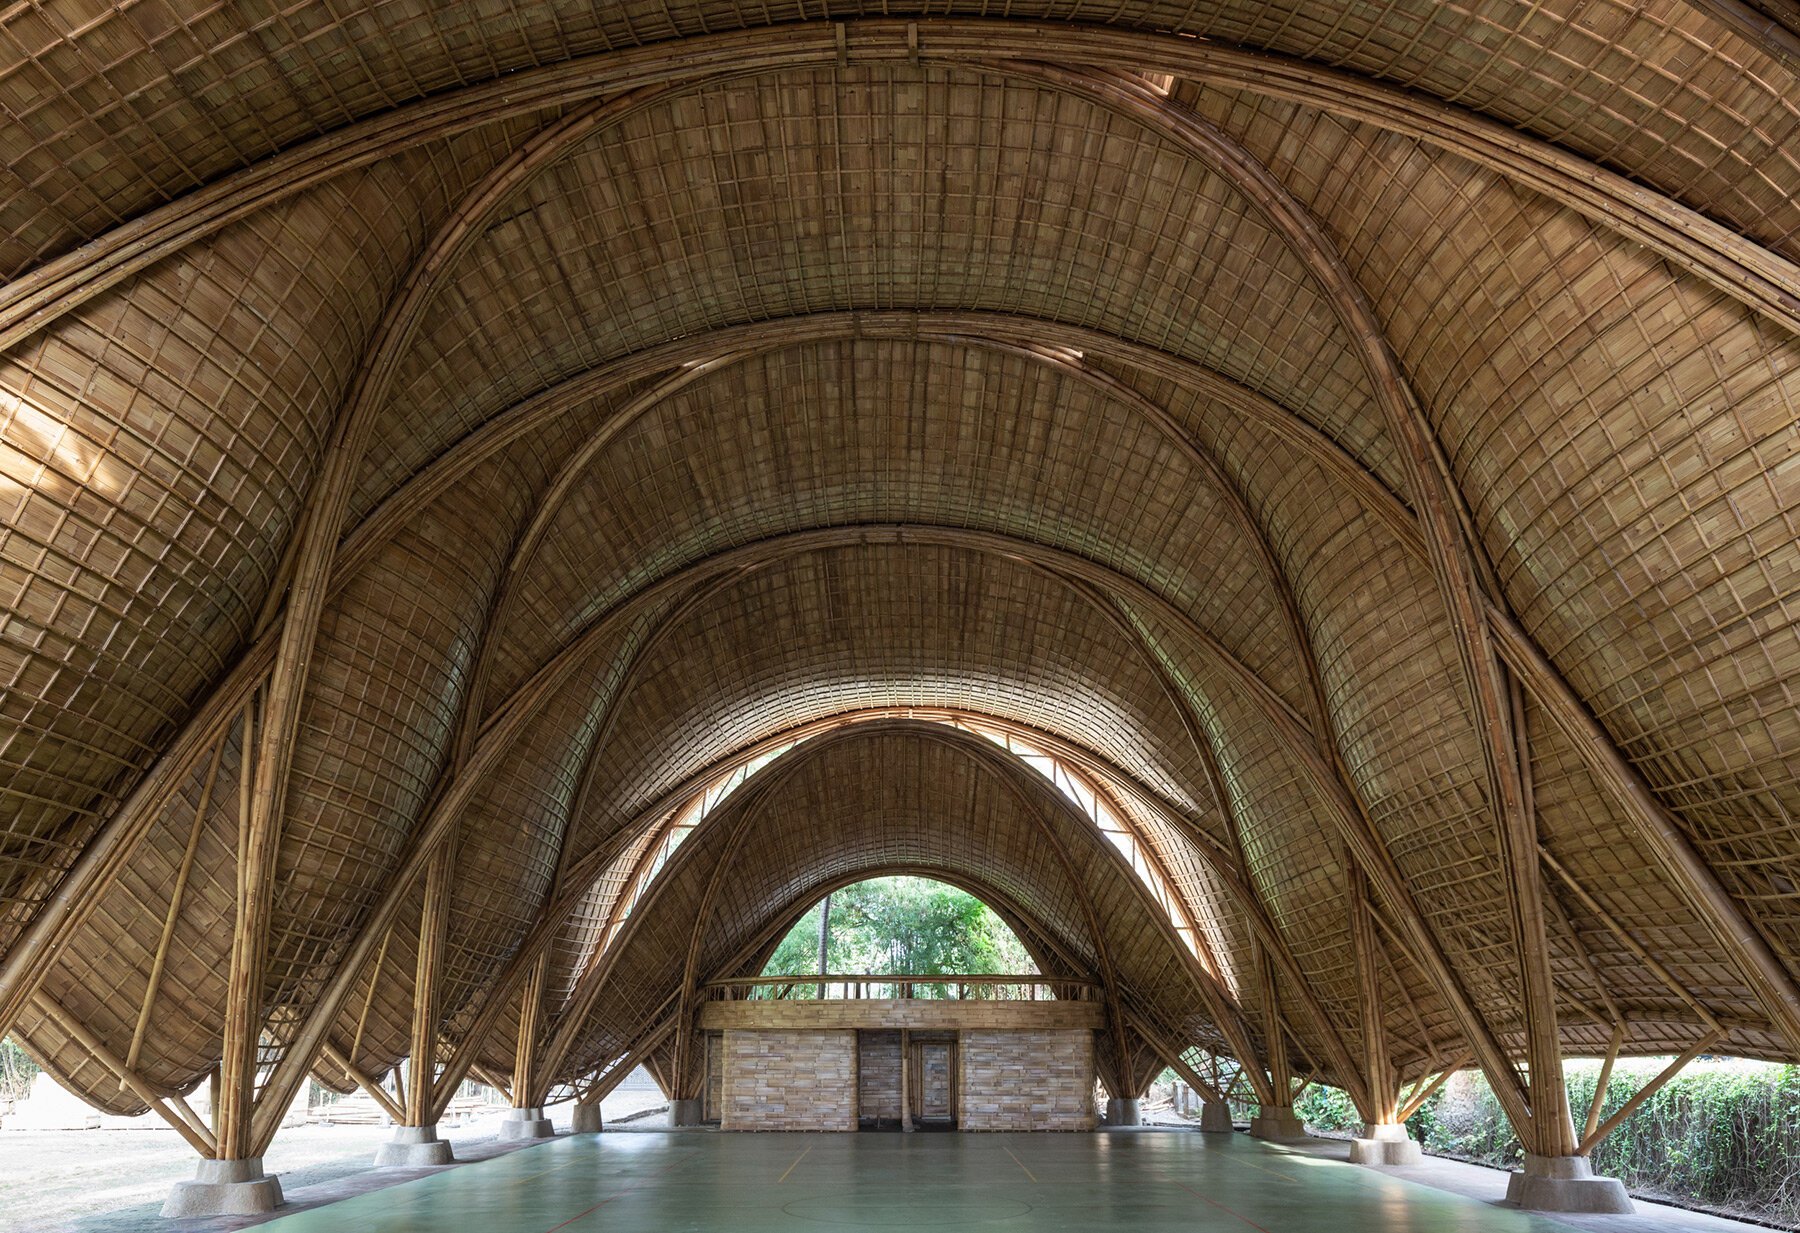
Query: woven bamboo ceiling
<point x="441" y="439"/>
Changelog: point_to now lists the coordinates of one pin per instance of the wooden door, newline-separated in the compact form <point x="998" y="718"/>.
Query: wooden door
<point x="934" y="1064"/>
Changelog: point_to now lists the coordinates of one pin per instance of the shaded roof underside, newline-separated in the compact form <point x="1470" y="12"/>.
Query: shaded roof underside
<point x="811" y="376"/>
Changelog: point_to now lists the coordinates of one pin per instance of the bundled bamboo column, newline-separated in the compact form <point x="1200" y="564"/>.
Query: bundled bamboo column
<point x="257" y="846"/>
<point x="433" y="928"/>
<point x="1383" y="1092"/>
<point x="525" y="1050"/>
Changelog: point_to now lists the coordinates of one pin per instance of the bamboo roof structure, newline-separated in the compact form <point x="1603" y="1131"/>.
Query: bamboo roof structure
<point x="444" y="442"/>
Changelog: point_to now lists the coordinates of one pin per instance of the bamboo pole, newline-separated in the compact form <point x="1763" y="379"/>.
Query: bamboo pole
<point x="1605" y="1079"/>
<point x="1417" y="1100"/>
<point x="382" y="1097"/>
<point x="233" y="1114"/>
<point x="527" y="1053"/>
<point x="175" y="897"/>
<point x="434" y="918"/>
<point x="1378" y="1079"/>
<point x="197" y="1137"/>
<point x="1644" y="1093"/>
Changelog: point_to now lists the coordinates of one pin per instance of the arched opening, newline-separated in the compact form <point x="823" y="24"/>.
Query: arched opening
<point x="901" y="925"/>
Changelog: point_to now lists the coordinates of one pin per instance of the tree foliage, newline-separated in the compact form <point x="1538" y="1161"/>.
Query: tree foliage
<point x="1724" y="1133"/>
<point x="17" y="1070"/>
<point x="903" y="925"/>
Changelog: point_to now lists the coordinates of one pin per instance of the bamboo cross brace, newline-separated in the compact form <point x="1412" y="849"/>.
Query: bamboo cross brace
<point x="175" y="897"/>
<point x="198" y="1137"/>
<point x="1417" y="1100"/>
<point x="1644" y="1093"/>
<point x="393" y="1108"/>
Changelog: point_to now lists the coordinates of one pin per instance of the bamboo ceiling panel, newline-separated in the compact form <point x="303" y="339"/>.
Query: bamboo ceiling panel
<point x="1358" y="436"/>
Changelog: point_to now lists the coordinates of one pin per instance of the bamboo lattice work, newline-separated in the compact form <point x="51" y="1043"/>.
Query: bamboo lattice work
<point x="1359" y="440"/>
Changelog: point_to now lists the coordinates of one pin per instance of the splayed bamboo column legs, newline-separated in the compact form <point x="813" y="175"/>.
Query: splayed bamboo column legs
<point x="1276" y="1123"/>
<point x="233" y="1181"/>
<point x="1567" y="1183"/>
<point x="526" y="1120"/>
<point x="415" y="1142"/>
<point x="1384" y="1140"/>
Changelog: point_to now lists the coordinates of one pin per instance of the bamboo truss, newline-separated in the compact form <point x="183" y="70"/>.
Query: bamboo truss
<point x="1376" y="497"/>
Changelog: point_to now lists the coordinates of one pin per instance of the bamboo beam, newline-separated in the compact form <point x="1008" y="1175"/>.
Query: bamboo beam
<point x="492" y="1080"/>
<point x="1739" y="267"/>
<point x="603" y="1085"/>
<point x="1603" y="1082"/>
<point x="1231" y="867"/>
<point x="1542" y="1118"/>
<point x="1643" y="956"/>
<point x="1417" y="1100"/>
<point x="527" y="1053"/>
<point x="154" y="983"/>
<point x="1561" y="916"/>
<point x="111" y="850"/>
<point x="1281" y="1079"/>
<point x="395" y="1109"/>
<point x="1644" y="1093"/>
<point x="197" y="1137"/>
<point x="1173" y="1060"/>
<point x="497" y="736"/>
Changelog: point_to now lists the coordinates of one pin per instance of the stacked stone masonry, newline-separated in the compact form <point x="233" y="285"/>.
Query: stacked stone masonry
<point x="784" y="1080"/>
<point x="1035" y="1080"/>
<point x="878" y="1076"/>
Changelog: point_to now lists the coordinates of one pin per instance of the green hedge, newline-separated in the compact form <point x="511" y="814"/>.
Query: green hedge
<point x="1721" y="1134"/>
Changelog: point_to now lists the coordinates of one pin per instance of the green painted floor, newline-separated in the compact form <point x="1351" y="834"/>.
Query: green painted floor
<point x="752" y="1183"/>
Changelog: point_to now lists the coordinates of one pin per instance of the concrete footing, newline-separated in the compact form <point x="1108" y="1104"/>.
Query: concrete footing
<point x="225" y="1188"/>
<point x="1384" y="1143"/>
<point x="413" y="1147"/>
<point x="685" y="1112"/>
<point x="529" y="1123"/>
<point x="1566" y="1184"/>
<point x="1215" y="1118"/>
<point x="1277" y="1124"/>
<point x="586" y="1120"/>
<point x="1124" y="1112"/>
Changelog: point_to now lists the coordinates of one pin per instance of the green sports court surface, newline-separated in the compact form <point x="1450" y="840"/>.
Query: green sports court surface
<point x="763" y="1183"/>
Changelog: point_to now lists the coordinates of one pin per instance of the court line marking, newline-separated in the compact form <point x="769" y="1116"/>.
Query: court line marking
<point x="1214" y="1203"/>
<point x="795" y="1165"/>
<point x="641" y="1182"/>
<point x="1020" y="1163"/>
<point x="1286" y="1177"/>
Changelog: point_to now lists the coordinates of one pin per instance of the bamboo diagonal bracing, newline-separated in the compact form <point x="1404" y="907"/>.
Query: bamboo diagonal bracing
<point x="457" y="499"/>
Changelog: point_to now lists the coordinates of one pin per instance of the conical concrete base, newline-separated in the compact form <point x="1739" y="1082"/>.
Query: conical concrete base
<point x="1124" y="1112"/>
<point x="526" y="1124"/>
<point x="225" y="1188"/>
<point x="587" y="1120"/>
<point x="1215" y="1118"/>
<point x="1566" y="1184"/>
<point x="413" y="1147"/>
<point x="685" y="1112"/>
<point x="1384" y="1143"/>
<point x="1277" y="1124"/>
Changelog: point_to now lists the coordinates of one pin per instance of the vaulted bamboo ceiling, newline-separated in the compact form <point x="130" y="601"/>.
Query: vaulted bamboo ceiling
<point x="1364" y="438"/>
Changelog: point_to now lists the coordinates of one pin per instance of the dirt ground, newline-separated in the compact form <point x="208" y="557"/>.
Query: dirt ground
<point x="114" y="1181"/>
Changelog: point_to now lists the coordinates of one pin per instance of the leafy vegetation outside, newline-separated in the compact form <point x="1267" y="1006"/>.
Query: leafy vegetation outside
<point x="17" y="1070"/>
<point x="1723" y="1134"/>
<point x="913" y="926"/>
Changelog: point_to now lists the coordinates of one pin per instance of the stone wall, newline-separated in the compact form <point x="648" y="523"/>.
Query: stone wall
<point x="1037" y="1080"/>
<point x="878" y="1076"/>
<point x="776" y="1080"/>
